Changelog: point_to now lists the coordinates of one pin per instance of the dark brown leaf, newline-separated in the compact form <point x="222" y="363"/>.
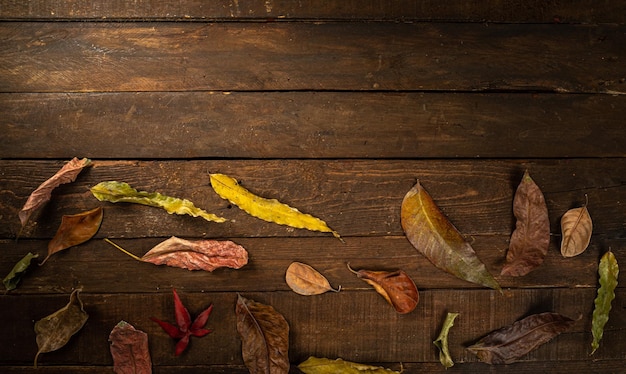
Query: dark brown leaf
<point x="43" y="193"/>
<point x="74" y="230"/>
<point x="531" y="237"/>
<point x="55" y="330"/>
<point x="265" y="337"/>
<point x="130" y="351"/>
<point x="396" y="287"/>
<point x="508" y="344"/>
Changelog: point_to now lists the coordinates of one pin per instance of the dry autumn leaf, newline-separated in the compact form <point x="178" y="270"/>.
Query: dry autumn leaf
<point x="15" y="276"/>
<point x="121" y="192"/>
<point x="55" y="330"/>
<point x="396" y="287"/>
<point x="442" y="341"/>
<point x="432" y="234"/>
<point x="315" y="365"/>
<point x="264" y="336"/>
<point x="129" y="349"/>
<point x="270" y="210"/>
<point x="576" y="227"/>
<point x="608" y="270"/>
<point x="205" y="255"/>
<point x="531" y="237"/>
<point x="305" y="280"/>
<point x="508" y="344"/>
<point x="43" y="193"/>
<point x="74" y="230"/>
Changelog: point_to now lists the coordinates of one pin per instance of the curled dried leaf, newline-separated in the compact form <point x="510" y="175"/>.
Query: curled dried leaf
<point x="531" y="238"/>
<point x="74" y="230"/>
<point x="432" y="234"/>
<point x="205" y="255"/>
<point x="116" y="192"/>
<point x="508" y="344"/>
<point x="270" y="210"/>
<point x="442" y="341"/>
<point x="315" y="365"/>
<point x="395" y="286"/>
<point x="305" y="280"/>
<point x="15" y="276"/>
<point x="43" y="193"/>
<point x="55" y="330"/>
<point x="129" y="349"/>
<point x="264" y="335"/>
<point x="576" y="227"/>
<point x="608" y="270"/>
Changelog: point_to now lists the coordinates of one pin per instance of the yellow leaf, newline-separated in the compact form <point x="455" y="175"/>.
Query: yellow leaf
<point x="270" y="210"/>
<point x="576" y="226"/>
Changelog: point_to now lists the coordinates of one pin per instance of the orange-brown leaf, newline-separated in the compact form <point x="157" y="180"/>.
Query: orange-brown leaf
<point x="395" y="286"/>
<point x="305" y="280"/>
<point x="531" y="237"/>
<point x="576" y="227"/>
<point x="74" y="230"/>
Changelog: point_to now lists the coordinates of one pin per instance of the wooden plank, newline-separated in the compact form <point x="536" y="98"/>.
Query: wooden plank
<point x="311" y="125"/>
<point x="99" y="268"/>
<point x="84" y="57"/>
<point x="355" y="325"/>
<point x="355" y="197"/>
<point x="585" y="11"/>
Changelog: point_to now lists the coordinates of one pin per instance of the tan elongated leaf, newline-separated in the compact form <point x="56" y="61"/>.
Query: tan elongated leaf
<point x="315" y="365"/>
<point x="43" y="193"/>
<point x="121" y="192"/>
<point x="74" y="230"/>
<point x="576" y="227"/>
<point x="396" y="287"/>
<point x="129" y="349"/>
<point x="508" y="344"/>
<point x="205" y="255"/>
<point x="531" y="237"/>
<point x="432" y="234"/>
<point x="608" y="270"/>
<point x="55" y="330"/>
<point x="264" y="336"/>
<point x="270" y="210"/>
<point x="305" y="280"/>
<point x="442" y="341"/>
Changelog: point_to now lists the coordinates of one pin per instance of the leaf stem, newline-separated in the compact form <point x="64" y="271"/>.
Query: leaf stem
<point x="122" y="249"/>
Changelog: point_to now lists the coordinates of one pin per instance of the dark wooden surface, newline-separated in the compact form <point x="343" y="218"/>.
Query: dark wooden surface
<point x="336" y="108"/>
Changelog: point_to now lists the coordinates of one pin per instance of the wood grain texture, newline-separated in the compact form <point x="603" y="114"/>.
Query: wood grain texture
<point x="85" y="57"/>
<point x="535" y="11"/>
<point x="311" y="125"/>
<point x="345" y="333"/>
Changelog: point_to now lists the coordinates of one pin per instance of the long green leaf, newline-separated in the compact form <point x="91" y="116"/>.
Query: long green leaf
<point x="442" y="341"/>
<point x="608" y="271"/>
<point x="121" y="192"/>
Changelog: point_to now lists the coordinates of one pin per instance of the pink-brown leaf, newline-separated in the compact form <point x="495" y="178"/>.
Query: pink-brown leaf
<point x="43" y="193"/>
<point x="129" y="349"/>
<point x="197" y="254"/>
<point x="531" y="237"/>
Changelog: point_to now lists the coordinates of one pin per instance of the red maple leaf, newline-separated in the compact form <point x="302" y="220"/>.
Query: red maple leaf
<point x="185" y="329"/>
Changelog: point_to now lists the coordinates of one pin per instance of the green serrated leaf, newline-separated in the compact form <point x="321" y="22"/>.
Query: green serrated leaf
<point x="116" y="192"/>
<point x="442" y="341"/>
<point x="13" y="278"/>
<point x="608" y="271"/>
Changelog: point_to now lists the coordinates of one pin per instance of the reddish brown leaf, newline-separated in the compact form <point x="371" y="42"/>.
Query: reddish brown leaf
<point x="396" y="287"/>
<point x="197" y="255"/>
<point x="531" y="237"/>
<point x="43" y="193"/>
<point x="129" y="349"/>
<point x="508" y="344"/>
<point x="265" y="337"/>
<point x="74" y="230"/>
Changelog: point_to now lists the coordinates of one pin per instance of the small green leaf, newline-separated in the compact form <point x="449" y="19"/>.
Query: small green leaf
<point x="442" y="341"/>
<point x="13" y="278"/>
<point x="116" y="192"/>
<point x="608" y="271"/>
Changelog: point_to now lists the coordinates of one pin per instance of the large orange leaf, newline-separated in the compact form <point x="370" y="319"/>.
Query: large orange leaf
<point x="432" y="234"/>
